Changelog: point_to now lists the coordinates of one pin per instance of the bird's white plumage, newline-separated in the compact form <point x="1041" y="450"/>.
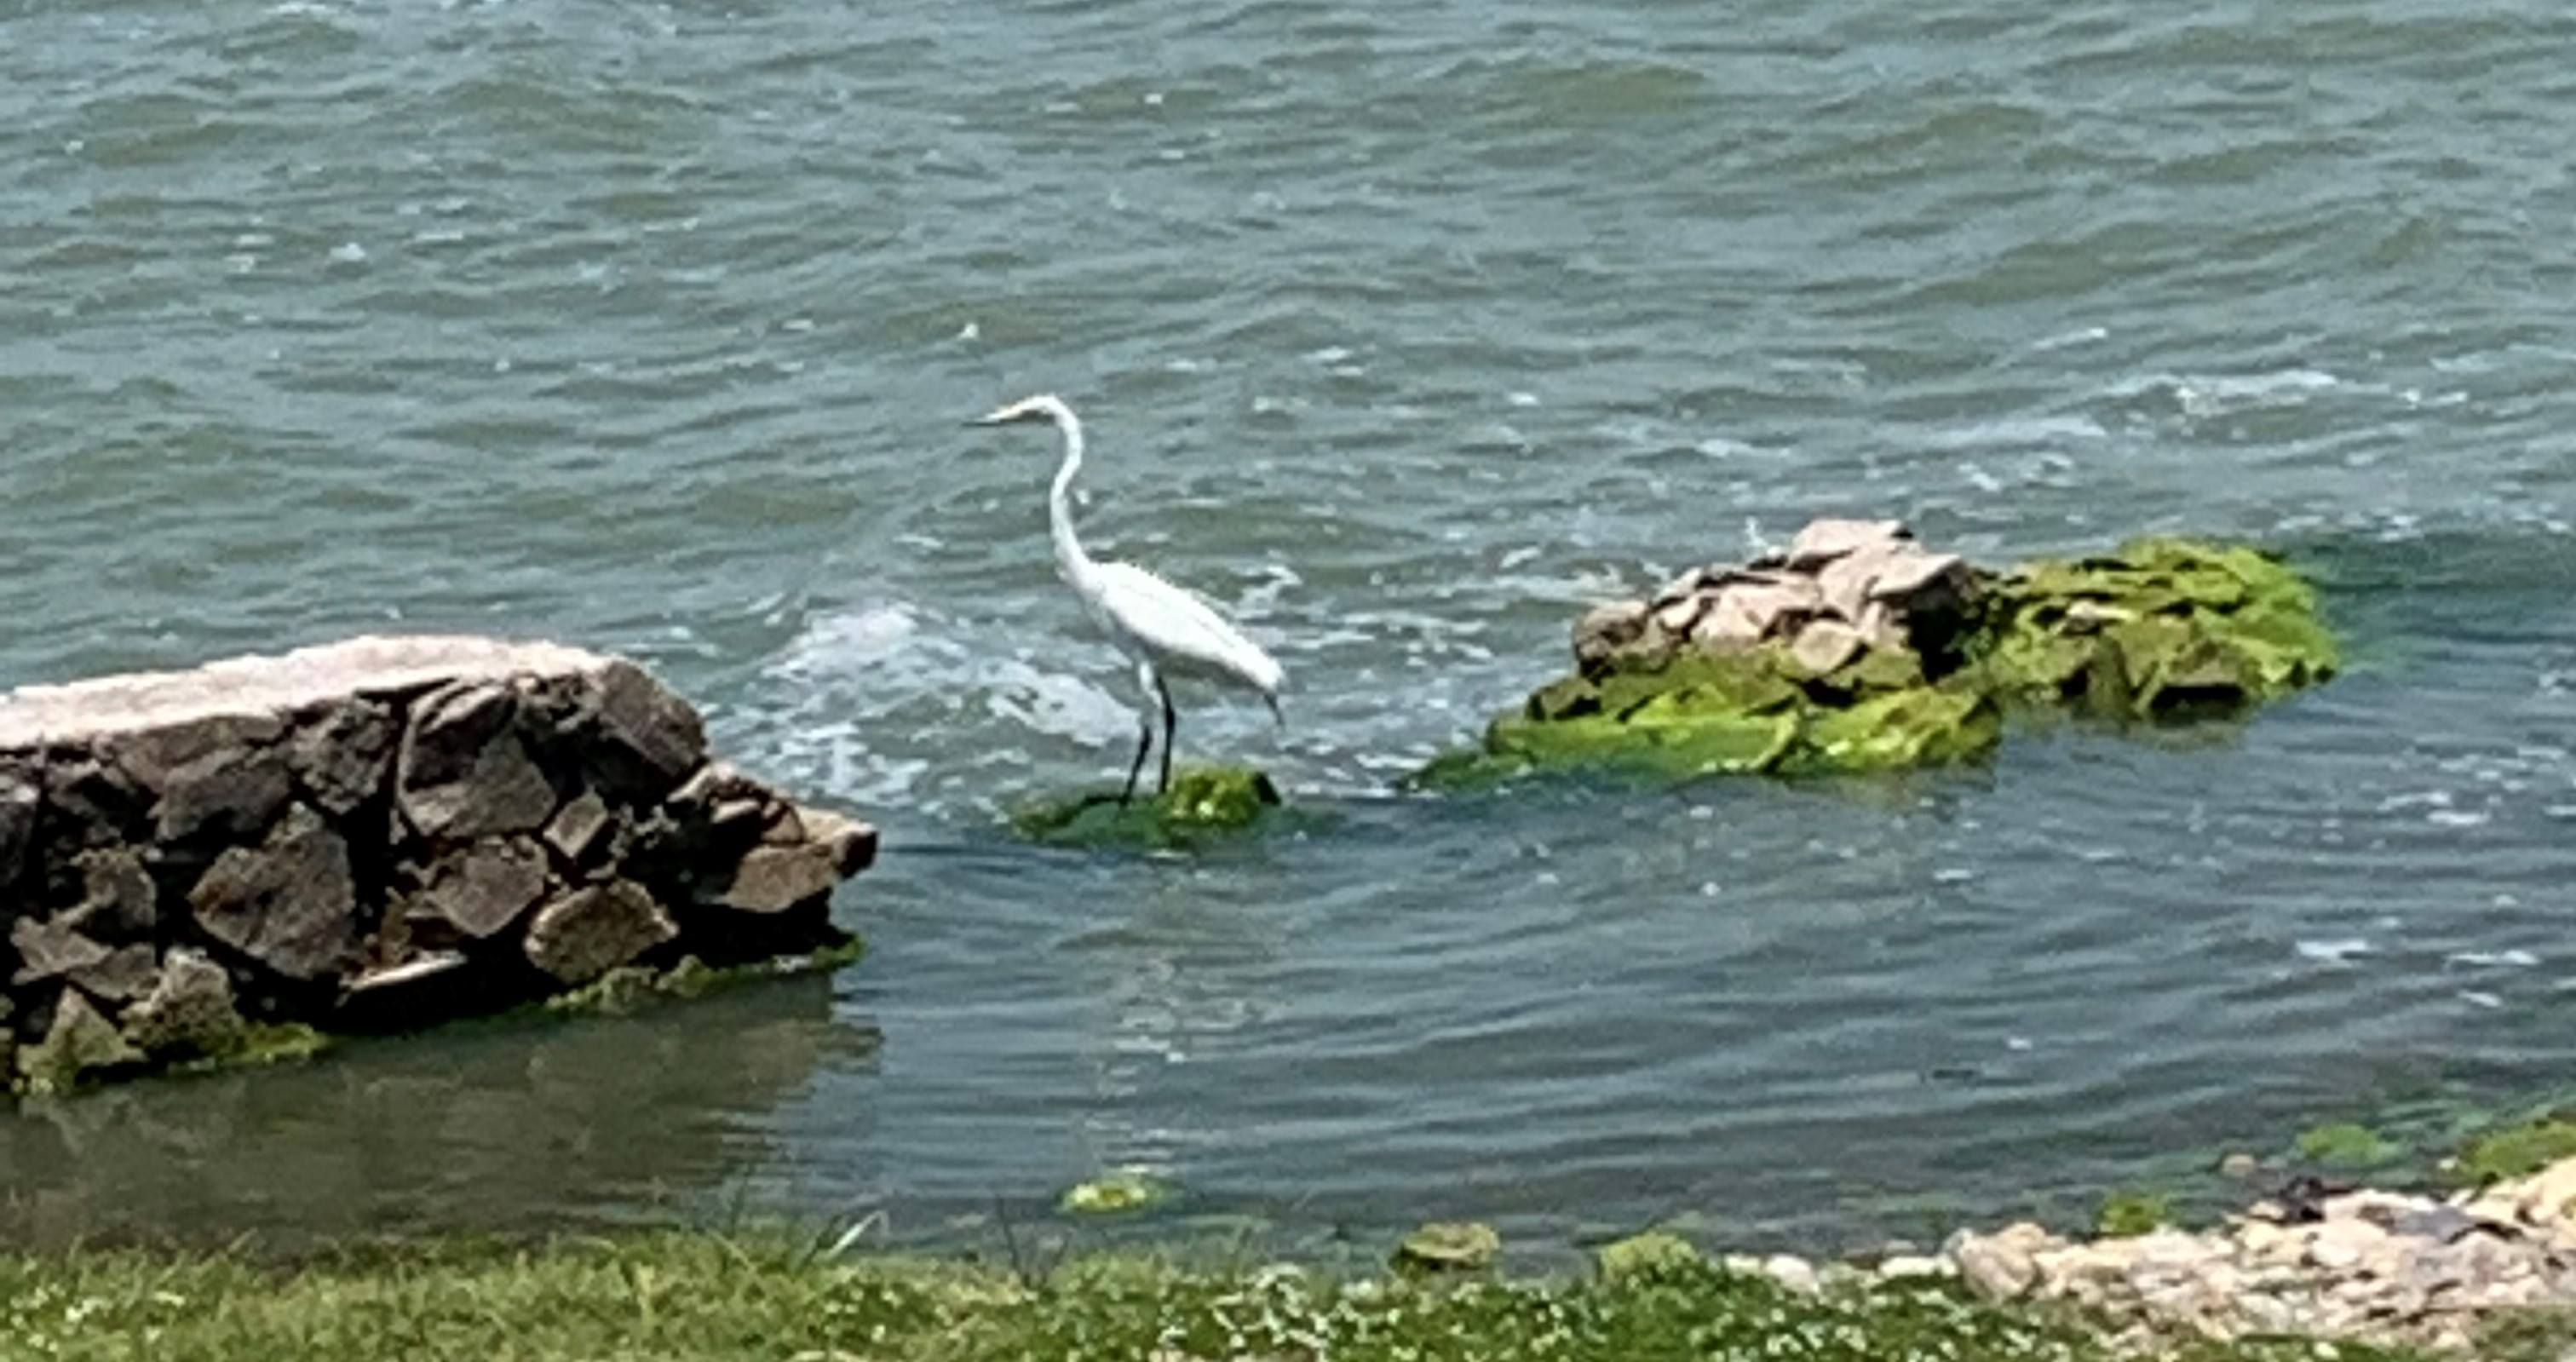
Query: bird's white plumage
<point x="1162" y="628"/>
<point x="1176" y="630"/>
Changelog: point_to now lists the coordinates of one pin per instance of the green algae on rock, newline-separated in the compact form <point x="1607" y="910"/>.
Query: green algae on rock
<point x="1446" y="1246"/>
<point x="627" y="988"/>
<point x="2161" y="627"/>
<point x="2347" y="1144"/>
<point x="2126" y="1215"/>
<point x="1646" y="1256"/>
<point x="1204" y="803"/>
<point x="1114" y="1193"/>
<point x="1858" y="650"/>
<point x="2517" y="1150"/>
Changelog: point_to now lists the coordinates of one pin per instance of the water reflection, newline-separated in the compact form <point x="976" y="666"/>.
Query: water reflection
<point x="504" y="1125"/>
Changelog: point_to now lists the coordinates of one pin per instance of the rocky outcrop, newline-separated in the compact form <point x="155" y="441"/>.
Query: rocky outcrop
<point x="2389" y="1267"/>
<point x="382" y="831"/>
<point x="1858" y="648"/>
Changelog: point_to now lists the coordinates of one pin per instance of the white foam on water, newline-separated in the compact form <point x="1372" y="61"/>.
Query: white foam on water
<point x="2336" y="950"/>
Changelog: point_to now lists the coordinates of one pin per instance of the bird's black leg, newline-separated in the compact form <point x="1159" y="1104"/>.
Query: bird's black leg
<point x="1144" y="744"/>
<point x="1170" y="722"/>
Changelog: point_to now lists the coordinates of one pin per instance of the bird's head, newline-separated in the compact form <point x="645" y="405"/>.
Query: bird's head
<point x="1043" y="407"/>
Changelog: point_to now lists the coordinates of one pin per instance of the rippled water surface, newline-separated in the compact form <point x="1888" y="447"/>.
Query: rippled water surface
<point x="1403" y="332"/>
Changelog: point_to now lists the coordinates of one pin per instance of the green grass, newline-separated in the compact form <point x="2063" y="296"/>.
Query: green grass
<point x="675" y="1296"/>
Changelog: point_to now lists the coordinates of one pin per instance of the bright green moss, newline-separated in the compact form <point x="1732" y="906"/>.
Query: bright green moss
<point x="1204" y="803"/>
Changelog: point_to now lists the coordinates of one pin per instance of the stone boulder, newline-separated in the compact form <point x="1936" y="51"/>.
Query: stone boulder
<point x="379" y="832"/>
<point x="1858" y="648"/>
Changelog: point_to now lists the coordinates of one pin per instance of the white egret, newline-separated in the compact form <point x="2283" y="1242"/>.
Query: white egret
<point x="1160" y="627"/>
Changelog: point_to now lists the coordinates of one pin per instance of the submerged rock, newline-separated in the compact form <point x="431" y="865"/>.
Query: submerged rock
<point x="1445" y="1246"/>
<point x="1861" y="650"/>
<point x="1125" y="1190"/>
<point x="1203" y="803"/>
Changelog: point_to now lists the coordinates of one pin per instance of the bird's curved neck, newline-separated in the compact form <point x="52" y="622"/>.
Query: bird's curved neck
<point x="1070" y="560"/>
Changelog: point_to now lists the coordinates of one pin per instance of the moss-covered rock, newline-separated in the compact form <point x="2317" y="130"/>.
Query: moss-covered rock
<point x="2162" y="627"/>
<point x="2517" y="1150"/>
<point x="1644" y="1257"/>
<point x="1871" y="654"/>
<point x="1114" y="1193"/>
<point x="1447" y="1246"/>
<point x="629" y="988"/>
<point x="77" y="1043"/>
<point x="1204" y="803"/>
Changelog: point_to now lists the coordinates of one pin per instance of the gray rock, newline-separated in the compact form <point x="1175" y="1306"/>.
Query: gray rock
<point x="463" y="770"/>
<point x="2000" y="1266"/>
<point x="1825" y="645"/>
<point x="50" y="949"/>
<point x="580" y="827"/>
<point x="786" y="826"/>
<point x="91" y="804"/>
<point x="119" y="901"/>
<point x="231" y="793"/>
<point x="590" y="931"/>
<point x="128" y="973"/>
<point x="1823" y="541"/>
<point x="1915" y="573"/>
<point x="190" y="1007"/>
<point x="1605" y="629"/>
<point x="287" y="902"/>
<point x="650" y="739"/>
<point x="78" y="1040"/>
<point x="480" y="889"/>
<point x="853" y="844"/>
<point x="772" y="879"/>
<point x="152" y="755"/>
<point x="343" y="757"/>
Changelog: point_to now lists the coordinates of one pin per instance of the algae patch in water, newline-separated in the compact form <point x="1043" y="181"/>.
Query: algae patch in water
<point x="1448" y="1246"/>
<point x="628" y="987"/>
<point x="2347" y="1144"/>
<point x="1204" y="803"/>
<point x="2161" y="629"/>
<point x="2517" y="1150"/>
<point x="2126" y="1215"/>
<point x="1114" y="1193"/>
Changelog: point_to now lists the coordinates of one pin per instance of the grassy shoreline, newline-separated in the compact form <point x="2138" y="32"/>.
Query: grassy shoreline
<point x="705" y="1296"/>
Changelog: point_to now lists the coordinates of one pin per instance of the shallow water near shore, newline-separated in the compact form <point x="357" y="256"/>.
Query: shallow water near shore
<point x="1403" y="337"/>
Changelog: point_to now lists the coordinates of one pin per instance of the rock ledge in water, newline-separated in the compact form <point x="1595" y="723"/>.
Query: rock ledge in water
<point x="229" y="861"/>
<point x="1204" y="803"/>
<point x="1858" y="649"/>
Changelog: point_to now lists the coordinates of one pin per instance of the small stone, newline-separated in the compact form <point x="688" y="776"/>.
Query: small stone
<point x="786" y="826"/>
<point x="851" y="843"/>
<point x="1823" y="541"/>
<point x="51" y="949"/>
<point x="2000" y="1266"/>
<point x="343" y="757"/>
<point x="1793" y="1273"/>
<point x="586" y="933"/>
<point x="1825" y="645"/>
<point x="482" y="888"/>
<point x="426" y="965"/>
<point x="1605" y="629"/>
<point x="2239" y="1165"/>
<point x="153" y="756"/>
<point x="78" y="1041"/>
<point x="577" y="828"/>
<point x="463" y="771"/>
<point x="1691" y="582"/>
<point x="1908" y="1266"/>
<point x="128" y="973"/>
<point x="190" y="1007"/>
<point x="1677" y="617"/>
<point x="652" y="739"/>
<point x="772" y="879"/>
<point x="228" y="793"/>
<point x="119" y="901"/>
<point x="1464" y="1246"/>
<point x="286" y="903"/>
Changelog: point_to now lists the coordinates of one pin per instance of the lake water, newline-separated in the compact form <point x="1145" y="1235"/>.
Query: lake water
<point x="1403" y="335"/>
